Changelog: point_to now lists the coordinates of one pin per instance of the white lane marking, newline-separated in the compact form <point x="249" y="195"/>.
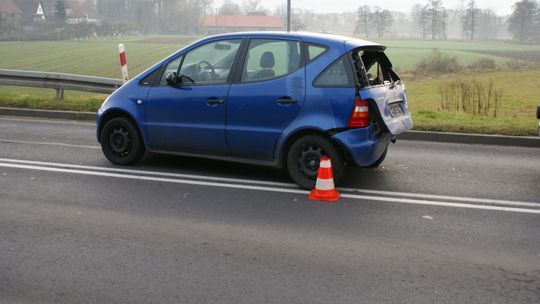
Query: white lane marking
<point x="443" y="197"/>
<point x="150" y="178"/>
<point x="47" y="143"/>
<point x="278" y="184"/>
<point x="157" y="173"/>
<point x="52" y="120"/>
<point x="438" y="203"/>
<point x="269" y="189"/>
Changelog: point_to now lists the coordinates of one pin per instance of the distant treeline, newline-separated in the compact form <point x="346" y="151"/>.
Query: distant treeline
<point x="427" y="20"/>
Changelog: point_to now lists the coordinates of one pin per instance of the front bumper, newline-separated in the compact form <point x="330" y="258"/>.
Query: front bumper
<point x="364" y="145"/>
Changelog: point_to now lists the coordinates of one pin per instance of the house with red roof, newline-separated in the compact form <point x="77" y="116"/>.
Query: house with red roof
<point x="223" y="24"/>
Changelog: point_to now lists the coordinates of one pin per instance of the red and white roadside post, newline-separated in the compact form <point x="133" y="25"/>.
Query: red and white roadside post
<point x="123" y="62"/>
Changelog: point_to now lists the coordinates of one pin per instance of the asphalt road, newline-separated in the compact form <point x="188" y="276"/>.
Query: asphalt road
<point x="437" y="223"/>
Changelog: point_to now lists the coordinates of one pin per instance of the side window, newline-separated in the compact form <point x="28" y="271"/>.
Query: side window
<point x="172" y="67"/>
<point x="314" y="50"/>
<point x="150" y="79"/>
<point x="267" y="59"/>
<point x="337" y="75"/>
<point x="210" y="63"/>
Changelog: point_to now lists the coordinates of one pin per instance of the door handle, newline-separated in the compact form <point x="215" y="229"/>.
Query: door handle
<point x="286" y="100"/>
<point x="214" y="101"/>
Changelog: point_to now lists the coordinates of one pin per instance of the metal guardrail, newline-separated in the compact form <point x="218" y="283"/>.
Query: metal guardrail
<point x="59" y="81"/>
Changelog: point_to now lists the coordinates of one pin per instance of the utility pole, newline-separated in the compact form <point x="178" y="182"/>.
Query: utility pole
<point x="288" y="15"/>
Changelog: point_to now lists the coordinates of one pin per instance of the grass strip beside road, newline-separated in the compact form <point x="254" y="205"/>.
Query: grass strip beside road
<point x="44" y="99"/>
<point x="516" y="115"/>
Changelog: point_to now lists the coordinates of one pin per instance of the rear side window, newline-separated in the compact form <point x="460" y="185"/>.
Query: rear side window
<point x="336" y="75"/>
<point x="314" y="51"/>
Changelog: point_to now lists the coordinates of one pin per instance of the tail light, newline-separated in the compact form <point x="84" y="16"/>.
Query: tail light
<point x="360" y="115"/>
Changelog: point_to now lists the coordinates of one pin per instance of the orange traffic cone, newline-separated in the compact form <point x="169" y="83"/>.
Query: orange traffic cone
<point x="324" y="188"/>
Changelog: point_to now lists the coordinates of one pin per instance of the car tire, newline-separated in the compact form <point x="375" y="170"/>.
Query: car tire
<point x="121" y="142"/>
<point x="379" y="161"/>
<point x="303" y="159"/>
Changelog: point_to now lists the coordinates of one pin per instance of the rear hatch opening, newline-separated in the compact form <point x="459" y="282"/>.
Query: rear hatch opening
<point x="380" y="85"/>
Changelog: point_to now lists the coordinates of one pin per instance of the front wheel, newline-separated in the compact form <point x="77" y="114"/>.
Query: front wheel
<point x="121" y="142"/>
<point x="304" y="156"/>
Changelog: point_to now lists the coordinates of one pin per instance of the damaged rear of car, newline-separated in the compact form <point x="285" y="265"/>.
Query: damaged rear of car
<point x="358" y="101"/>
<point x="380" y="107"/>
<point x="368" y="102"/>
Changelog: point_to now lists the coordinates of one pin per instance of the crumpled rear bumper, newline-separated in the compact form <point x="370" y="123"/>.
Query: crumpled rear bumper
<point x="363" y="144"/>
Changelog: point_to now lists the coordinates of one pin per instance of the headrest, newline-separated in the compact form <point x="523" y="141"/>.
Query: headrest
<point x="267" y="60"/>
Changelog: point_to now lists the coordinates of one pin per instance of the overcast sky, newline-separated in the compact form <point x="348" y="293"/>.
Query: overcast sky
<point x="502" y="7"/>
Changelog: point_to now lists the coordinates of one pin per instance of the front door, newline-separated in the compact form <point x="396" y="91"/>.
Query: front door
<point x="189" y="116"/>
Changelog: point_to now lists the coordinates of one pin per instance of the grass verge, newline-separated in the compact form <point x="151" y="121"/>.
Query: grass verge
<point x="44" y="99"/>
<point x="515" y="116"/>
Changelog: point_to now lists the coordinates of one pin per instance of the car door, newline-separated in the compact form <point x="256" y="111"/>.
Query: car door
<point x="189" y="115"/>
<point x="266" y="97"/>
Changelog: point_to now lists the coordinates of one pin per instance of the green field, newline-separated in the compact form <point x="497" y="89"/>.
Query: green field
<point x="405" y="53"/>
<point x="93" y="57"/>
<point x="521" y="92"/>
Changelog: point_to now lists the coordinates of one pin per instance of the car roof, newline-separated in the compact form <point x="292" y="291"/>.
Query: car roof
<point x="320" y="38"/>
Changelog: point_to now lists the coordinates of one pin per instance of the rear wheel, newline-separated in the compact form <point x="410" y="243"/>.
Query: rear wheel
<point x="304" y="156"/>
<point x="121" y="142"/>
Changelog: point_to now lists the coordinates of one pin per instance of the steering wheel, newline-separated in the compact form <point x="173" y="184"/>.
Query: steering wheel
<point x="208" y="66"/>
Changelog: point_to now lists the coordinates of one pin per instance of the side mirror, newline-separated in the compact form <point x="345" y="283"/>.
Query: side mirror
<point x="171" y="79"/>
<point x="538" y="112"/>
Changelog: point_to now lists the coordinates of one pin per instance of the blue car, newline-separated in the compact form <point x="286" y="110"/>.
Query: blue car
<point x="266" y="98"/>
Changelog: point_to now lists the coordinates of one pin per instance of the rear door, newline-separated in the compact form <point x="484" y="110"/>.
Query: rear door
<point x="267" y="95"/>
<point x="382" y="85"/>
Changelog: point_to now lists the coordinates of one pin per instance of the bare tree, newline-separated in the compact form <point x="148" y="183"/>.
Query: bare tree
<point x="229" y="8"/>
<point x="470" y="19"/>
<point x="444" y="23"/>
<point x="524" y="19"/>
<point x="383" y="20"/>
<point x="297" y="22"/>
<point x="436" y="15"/>
<point x="424" y="21"/>
<point x="434" y="7"/>
<point x="415" y="16"/>
<point x="281" y="12"/>
<point x="252" y="7"/>
<point x="363" y="16"/>
<point x="488" y="23"/>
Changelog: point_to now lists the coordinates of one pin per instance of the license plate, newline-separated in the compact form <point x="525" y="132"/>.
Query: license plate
<point x="395" y="109"/>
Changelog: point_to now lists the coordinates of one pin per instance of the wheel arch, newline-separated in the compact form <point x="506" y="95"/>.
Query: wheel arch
<point x="289" y="141"/>
<point x="115" y="113"/>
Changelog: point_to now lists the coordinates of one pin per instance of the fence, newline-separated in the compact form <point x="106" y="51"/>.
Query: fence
<point x="59" y="81"/>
